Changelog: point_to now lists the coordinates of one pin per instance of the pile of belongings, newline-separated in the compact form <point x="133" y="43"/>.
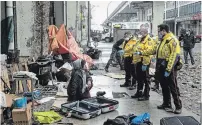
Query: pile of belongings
<point x="62" y="42"/>
<point x="94" y="53"/>
<point x="131" y="119"/>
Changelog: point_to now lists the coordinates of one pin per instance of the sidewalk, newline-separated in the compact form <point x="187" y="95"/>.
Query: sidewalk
<point x="126" y="105"/>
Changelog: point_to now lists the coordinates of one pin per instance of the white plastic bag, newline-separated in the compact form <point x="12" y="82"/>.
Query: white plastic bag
<point x="66" y="66"/>
<point x="2" y="100"/>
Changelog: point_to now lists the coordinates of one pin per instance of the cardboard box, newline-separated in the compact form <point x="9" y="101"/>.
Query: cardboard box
<point x="22" y="115"/>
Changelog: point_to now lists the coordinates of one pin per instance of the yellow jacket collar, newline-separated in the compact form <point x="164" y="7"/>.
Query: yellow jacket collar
<point x="145" y="39"/>
<point x="168" y="35"/>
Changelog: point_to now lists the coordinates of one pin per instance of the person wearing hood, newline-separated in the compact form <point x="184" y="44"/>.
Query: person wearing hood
<point x="80" y="83"/>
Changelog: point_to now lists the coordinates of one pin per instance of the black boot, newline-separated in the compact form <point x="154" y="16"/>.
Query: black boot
<point x="132" y="87"/>
<point x="137" y="95"/>
<point x="178" y="111"/>
<point x="163" y="106"/>
<point x="143" y="98"/>
<point x="125" y="85"/>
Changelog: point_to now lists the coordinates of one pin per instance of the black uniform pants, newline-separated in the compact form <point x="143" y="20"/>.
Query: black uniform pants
<point x="190" y="52"/>
<point x="130" y="71"/>
<point x="142" y="79"/>
<point x="114" y="55"/>
<point x="169" y="86"/>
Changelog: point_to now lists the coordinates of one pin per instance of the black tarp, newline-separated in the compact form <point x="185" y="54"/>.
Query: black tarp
<point x="7" y="32"/>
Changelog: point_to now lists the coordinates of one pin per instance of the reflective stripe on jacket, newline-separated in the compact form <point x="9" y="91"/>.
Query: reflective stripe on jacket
<point x="128" y="48"/>
<point x="169" y="49"/>
<point x="147" y="48"/>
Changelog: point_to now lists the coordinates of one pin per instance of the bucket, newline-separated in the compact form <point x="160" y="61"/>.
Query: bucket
<point x="20" y="102"/>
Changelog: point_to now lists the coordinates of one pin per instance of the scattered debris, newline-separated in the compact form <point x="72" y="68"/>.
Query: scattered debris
<point x="115" y="75"/>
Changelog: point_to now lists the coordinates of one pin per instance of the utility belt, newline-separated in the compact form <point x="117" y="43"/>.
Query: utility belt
<point x="162" y="63"/>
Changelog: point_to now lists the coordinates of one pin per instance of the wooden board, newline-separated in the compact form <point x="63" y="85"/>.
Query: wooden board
<point x="28" y="81"/>
<point x="4" y="75"/>
<point x="18" y="85"/>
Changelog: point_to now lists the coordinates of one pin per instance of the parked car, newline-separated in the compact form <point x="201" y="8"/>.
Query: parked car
<point x="198" y="38"/>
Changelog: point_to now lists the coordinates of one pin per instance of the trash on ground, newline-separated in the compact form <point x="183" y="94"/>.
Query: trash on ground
<point x="119" y="94"/>
<point x="44" y="100"/>
<point x="115" y="75"/>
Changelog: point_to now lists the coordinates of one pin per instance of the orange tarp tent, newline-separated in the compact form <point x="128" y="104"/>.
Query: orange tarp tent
<point x="62" y="43"/>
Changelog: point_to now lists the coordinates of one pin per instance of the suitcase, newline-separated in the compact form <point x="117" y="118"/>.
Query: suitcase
<point x="179" y="120"/>
<point x="81" y="110"/>
<point x="105" y="104"/>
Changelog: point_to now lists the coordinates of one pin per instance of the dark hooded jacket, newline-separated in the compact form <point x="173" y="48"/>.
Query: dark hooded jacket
<point x="77" y="88"/>
<point x="188" y="40"/>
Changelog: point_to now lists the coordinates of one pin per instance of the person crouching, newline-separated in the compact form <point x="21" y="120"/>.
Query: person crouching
<point x="80" y="83"/>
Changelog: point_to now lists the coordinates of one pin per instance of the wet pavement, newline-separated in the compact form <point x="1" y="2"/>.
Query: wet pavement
<point x="126" y="104"/>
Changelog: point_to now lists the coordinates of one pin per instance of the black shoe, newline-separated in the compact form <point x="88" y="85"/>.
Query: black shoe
<point x="135" y="96"/>
<point x="124" y="85"/>
<point x="155" y="87"/>
<point x="143" y="98"/>
<point x="132" y="87"/>
<point x="163" y="106"/>
<point x="178" y="111"/>
<point x="168" y="109"/>
<point x="106" y="69"/>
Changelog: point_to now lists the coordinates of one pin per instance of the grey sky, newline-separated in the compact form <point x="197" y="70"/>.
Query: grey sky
<point x="99" y="10"/>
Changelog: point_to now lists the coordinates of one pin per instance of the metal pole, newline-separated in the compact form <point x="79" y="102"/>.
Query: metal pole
<point x="175" y="18"/>
<point x="165" y="9"/>
<point x="76" y="24"/>
<point x="81" y="16"/>
<point x="88" y="23"/>
<point x="41" y="14"/>
<point x="9" y="13"/>
<point x="108" y="9"/>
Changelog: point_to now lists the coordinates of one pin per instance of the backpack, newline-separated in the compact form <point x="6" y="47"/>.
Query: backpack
<point x="119" y="120"/>
<point x="143" y="119"/>
<point x="131" y="119"/>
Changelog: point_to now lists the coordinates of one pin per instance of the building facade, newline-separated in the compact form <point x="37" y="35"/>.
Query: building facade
<point x="33" y="19"/>
<point x="183" y="14"/>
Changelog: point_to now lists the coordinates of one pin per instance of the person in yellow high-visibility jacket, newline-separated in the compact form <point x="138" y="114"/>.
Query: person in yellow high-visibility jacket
<point x="168" y="62"/>
<point x="127" y="53"/>
<point x="143" y="51"/>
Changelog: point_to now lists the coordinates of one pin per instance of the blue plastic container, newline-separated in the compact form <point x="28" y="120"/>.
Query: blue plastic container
<point x="20" y="102"/>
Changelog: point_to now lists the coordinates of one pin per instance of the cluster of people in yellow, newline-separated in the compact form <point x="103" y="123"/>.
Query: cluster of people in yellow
<point x="139" y="50"/>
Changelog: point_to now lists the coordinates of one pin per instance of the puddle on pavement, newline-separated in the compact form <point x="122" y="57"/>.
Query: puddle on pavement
<point x="120" y="95"/>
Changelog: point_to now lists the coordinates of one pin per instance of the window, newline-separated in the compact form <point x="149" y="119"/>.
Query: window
<point x="198" y="7"/>
<point x="149" y="12"/>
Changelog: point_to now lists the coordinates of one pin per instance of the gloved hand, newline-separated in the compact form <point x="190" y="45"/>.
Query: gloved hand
<point x="137" y="53"/>
<point x="121" y="52"/>
<point x="144" y="67"/>
<point x="166" y="74"/>
<point x="153" y="59"/>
